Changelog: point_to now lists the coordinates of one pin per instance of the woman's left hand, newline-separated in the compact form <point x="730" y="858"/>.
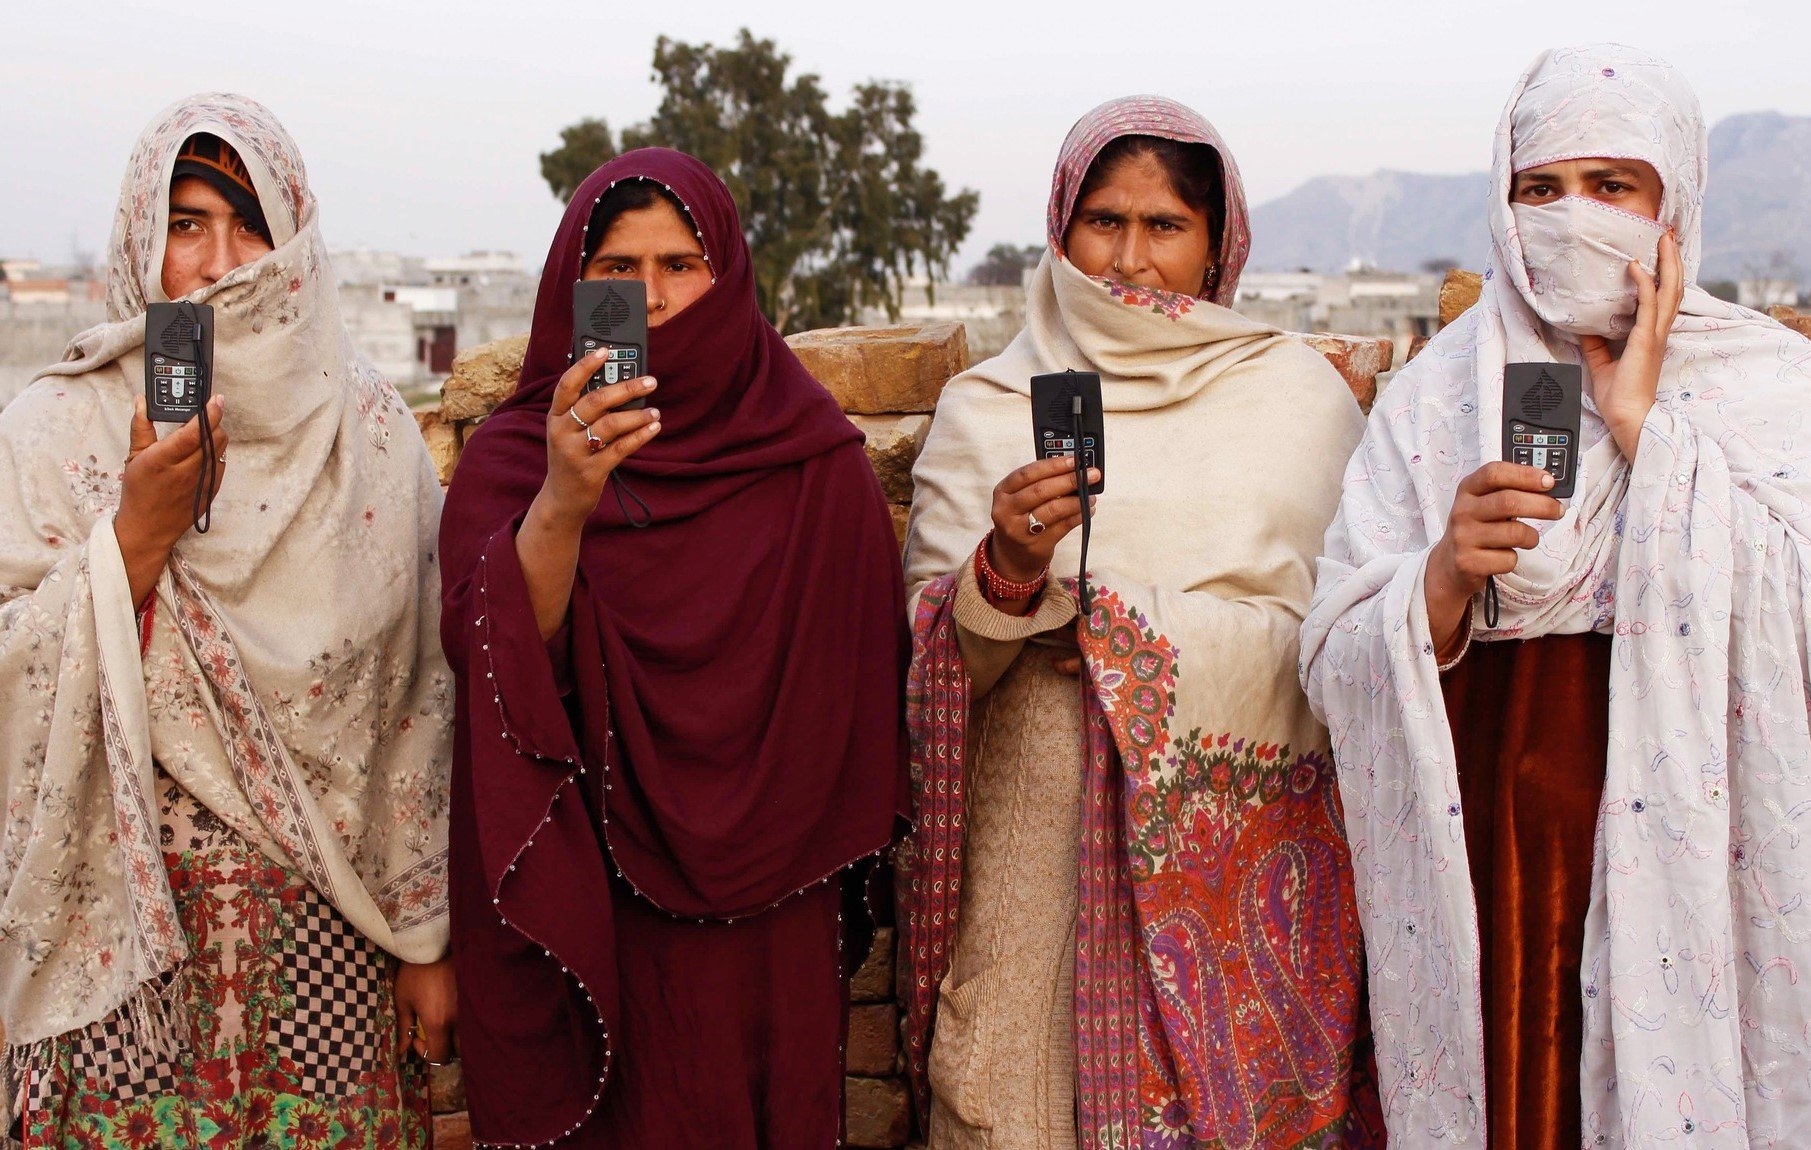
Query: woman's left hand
<point x="427" y="1008"/>
<point x="1623" y="387"/>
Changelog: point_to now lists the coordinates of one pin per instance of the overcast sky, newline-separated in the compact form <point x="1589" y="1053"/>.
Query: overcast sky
<point x="421" y="123"/>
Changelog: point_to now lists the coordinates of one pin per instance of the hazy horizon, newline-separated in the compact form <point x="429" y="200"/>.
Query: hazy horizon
<point x="421" y="125"/>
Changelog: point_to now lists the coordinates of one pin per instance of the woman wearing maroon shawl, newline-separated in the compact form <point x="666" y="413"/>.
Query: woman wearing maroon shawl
<point x="663" y="776"/>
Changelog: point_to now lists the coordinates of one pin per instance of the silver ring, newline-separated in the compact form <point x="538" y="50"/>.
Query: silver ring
<point x="1033" y="524"/>
<point x="573" y="412"/>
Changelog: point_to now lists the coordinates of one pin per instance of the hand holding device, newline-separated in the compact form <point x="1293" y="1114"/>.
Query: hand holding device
<point x="612" y="315"/>
<point x="1070" y="420"/>
<point x="159" y="487"/>
<point x="1484" y="530"/>
<point x="590" y="432"/>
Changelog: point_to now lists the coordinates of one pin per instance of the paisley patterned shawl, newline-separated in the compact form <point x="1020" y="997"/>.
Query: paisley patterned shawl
<point x="1694" y="559"/>
<point x="1217" y="952"/>
<point x="291" y="679"/>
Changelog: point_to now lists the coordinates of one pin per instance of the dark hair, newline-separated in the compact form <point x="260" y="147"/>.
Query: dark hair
<point x="1196" y="176"/>
<point x="631" y="195"/>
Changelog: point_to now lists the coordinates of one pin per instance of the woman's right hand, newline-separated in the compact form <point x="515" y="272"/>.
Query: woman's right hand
<point x="1045" y="489"/>
<point x="157" y="491"/>
<point x="587" y="438"/>
<point x="1483" y="533"/>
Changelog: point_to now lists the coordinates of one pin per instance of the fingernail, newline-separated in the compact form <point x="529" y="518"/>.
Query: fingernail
<point x="1546" y="480"/>
<point x="650" y="383"/>
<point x="655" y="426"/>
<point x="653" y="415"/>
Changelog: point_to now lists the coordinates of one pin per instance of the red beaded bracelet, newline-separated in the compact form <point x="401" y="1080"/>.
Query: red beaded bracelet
<point x="996" y="585"/>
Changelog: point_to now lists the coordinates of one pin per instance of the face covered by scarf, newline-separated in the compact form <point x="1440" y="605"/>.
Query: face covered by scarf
<point x="290" y="676"/>
<point x="1694" y="558"/>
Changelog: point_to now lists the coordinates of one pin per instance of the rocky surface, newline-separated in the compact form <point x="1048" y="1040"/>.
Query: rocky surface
<point x="1359" y="360"/>
<point x="1459" y="292"/>
<point x="482" y="378"/>
<point x="884" y="370"/>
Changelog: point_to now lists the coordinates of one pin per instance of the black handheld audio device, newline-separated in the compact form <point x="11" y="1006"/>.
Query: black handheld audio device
<point x="1061" y="427"/>
<point x="1541" y="405"/>
<point x="179" y="378"/>
<point x="612" y="314"/>
<point x="179" y="360"/>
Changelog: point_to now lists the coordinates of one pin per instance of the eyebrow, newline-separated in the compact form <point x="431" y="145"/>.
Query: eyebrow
<point x="663" y="257"/>
<point x="1147" y="217"/>
<point x="187" y="210"/>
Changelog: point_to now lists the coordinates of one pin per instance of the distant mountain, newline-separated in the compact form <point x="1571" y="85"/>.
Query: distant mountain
<point x="1391" y="220"/>
<point x="1757" y="212"/>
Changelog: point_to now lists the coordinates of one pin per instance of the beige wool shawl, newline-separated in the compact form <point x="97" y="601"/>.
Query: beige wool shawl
<point x="293" y="680"/>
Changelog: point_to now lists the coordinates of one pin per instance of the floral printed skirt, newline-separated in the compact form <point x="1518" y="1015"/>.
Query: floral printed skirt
<point x="295" y="1040"/>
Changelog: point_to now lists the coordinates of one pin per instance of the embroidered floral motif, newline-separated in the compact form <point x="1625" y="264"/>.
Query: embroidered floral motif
<point x="1173" y="305"/>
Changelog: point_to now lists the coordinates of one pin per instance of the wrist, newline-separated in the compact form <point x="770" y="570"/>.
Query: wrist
<point x="548" y="512"/>
<point x="1004" y="565"/>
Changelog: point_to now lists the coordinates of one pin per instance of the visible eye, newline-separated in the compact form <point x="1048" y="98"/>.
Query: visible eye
<point x="1538" y="191"/>
<point x="679" y="266"/>
<point x="1102" y="222"/>
<point x="619" y="269"/>
<point x="185" y="225"/>
<point x="1165" y="226"/>
<point x="1615" y="188"/>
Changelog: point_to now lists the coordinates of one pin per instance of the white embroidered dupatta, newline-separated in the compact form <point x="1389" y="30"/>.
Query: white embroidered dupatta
<point x="1698" y="939"/>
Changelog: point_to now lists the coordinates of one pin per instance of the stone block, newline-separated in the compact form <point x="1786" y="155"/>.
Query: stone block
<point x="1359" y="360"/>
<point x="452" y="1132"/>
<point x="896" y="369"/>
<point x="874" y="981"/>
<point x="1793" y="319"/>
<point x="442" y="439"/>
<point x="446" y="1088"/>
<point x="879" y="1115"/>
<point x="483" y="377"/>
<point x="893" y="443"/>
<point x="902" y="516"/>
<point x="873" y="1045"/>
<point x="1460" y="291"/>
<point x="1415" y="346"/>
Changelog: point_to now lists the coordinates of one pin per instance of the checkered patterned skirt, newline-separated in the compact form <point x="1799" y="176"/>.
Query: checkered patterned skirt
<point x="295" y="1040"/>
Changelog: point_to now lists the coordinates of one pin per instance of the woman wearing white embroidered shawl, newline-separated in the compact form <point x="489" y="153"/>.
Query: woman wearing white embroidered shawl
<point x="1114" y="853"/>
<point x="224" y="755"/>
<point x="1580" y="855"/>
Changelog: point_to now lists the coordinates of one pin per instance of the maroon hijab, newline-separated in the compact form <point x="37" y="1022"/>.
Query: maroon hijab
<point x="729" y="709"/>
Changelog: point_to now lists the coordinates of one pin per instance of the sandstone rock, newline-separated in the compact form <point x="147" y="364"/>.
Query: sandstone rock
<point x="446" y="1088"/>
<point x="879" y="1117"/>
<point x="873" y="1046"/>
<point x="902" y="515"/>
<point x="482" y="378"/>
<point x="884" y="370"/>
<point x="452" y="1132"/>
<point x="1459" y="292"/>
<point x="1415" y="346"/>
<point x="442" y="439"/>
<point x="1792" y="318"/>
<point x="1358" y="359"/>
<point x="893" y="443"/>
<point x="874" y="981"/>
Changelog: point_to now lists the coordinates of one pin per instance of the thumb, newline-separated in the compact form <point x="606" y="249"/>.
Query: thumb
<point x="143" y="434"/>
<point x="1597" y="353"/>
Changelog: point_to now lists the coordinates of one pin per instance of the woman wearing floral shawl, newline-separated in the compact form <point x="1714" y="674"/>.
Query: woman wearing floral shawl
<point x="1128" y="904"/>
<point x="224" y="755"/>
<point x="1580" y="851"/>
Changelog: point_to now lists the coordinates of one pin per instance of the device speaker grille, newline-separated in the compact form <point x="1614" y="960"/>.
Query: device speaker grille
<point x="611" y="312"/>
<point x="1056" y="411"/>
<point x="1542" y="398"/>
<point x="179" y="336"/>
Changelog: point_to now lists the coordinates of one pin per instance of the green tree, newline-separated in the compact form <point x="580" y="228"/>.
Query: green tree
<point x="838" y="208"/>
<point x="1004" y="265"/>
<point x="584" y="147"/>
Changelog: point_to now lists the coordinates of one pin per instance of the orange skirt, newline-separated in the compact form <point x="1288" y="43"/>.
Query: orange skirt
<point x="1530" y="724"/>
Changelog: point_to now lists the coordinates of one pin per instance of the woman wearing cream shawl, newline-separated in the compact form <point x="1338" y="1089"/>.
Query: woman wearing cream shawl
<point x="1683" y="554"/>
<point x="1157" y="942"/>
<point x="224" y="804"/>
